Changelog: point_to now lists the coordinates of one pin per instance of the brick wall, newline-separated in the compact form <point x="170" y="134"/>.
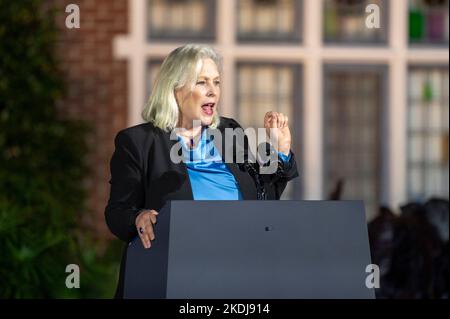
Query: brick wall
<point x="96" y="90"/>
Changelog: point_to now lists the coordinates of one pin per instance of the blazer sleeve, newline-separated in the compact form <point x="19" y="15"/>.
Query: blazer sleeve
<point x="126" y="198"/>
<point x="286" y="171"/>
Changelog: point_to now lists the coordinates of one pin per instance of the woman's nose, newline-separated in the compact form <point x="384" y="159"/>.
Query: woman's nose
<point x="211" y="91"/>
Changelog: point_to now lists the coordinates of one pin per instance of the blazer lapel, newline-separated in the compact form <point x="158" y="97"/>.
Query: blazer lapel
<point x="178" y="172"/>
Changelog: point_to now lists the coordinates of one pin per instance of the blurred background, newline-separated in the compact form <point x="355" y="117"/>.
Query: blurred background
<point x="368" y="109"/>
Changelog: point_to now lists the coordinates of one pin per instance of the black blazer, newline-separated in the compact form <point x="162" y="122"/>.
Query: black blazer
<point x="144" y="177"/>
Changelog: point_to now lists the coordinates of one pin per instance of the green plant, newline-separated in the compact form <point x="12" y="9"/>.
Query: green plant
<point x="41" y="168"/>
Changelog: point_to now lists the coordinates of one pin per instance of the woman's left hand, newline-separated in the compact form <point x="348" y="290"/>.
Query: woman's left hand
<point x="278" y="124"/>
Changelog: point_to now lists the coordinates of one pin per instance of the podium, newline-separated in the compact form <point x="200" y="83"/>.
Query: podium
<point x="253" y="250"/>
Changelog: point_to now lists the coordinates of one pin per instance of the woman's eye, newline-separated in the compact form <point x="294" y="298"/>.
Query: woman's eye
<point x="201" y="82"/>
<point x="217" y="82"/>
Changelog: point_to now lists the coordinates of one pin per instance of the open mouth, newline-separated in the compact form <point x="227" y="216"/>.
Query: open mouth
<point x="208" y="108"/>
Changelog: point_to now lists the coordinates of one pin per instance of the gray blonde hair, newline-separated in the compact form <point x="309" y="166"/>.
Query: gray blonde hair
<point x="181" y="67"/>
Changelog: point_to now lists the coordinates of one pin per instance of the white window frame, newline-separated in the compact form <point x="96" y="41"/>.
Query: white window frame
<point x="312" y="54"/>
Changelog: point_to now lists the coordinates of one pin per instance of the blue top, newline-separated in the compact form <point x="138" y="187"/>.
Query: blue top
<point x="209" y="176"/>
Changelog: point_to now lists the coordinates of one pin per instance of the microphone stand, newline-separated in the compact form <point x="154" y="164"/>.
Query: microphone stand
<point x="260" y="189"/>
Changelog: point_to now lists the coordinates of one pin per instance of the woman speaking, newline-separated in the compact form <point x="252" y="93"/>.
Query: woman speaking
<point x="184" y="103"/>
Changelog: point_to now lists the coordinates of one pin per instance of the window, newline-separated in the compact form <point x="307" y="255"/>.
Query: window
<point x="388" y="173"/>
<point x="270" y="87"/>
<point x="345" y="22"/>
<point x="181" y="20"/>
<point x="152" y="71"/>
<point x="428" y="159"/>
<point x="268" y="20"/>
<point x="428" y="21"/>
<point x="353" y="113"/>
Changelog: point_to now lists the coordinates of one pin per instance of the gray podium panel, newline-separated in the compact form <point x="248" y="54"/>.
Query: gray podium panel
<point x="253" y="250"/>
